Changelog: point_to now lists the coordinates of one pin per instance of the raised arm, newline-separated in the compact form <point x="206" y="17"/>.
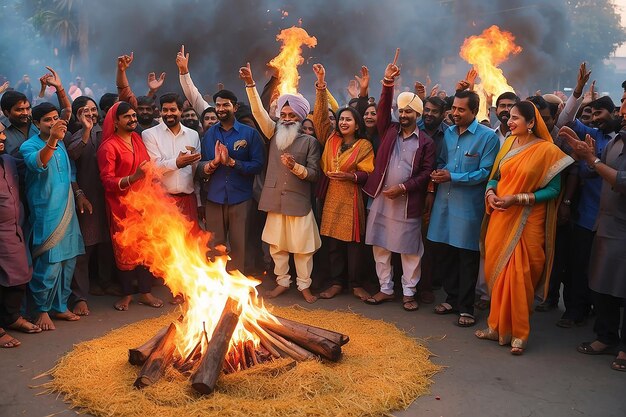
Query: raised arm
<point x="386" y="97"/>
<point x="320" y="119"/>
<point x="568" y="114"/>
<point x="267" y="125"/>
<point x="189" y="88"/>
<point x="155" y="84"/>
<point x="52" y="79"/>
<point x="124" y="91"/>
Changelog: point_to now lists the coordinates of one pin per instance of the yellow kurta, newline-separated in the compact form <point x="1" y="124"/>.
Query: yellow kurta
<point x="343" y="216"/>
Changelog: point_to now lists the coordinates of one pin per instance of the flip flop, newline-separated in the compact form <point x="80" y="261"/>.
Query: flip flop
<point x="24" y="326"/>
<point x="13" y="343"/>
<point x="466" y="316"/>
<point x="587" y="349"/>
<point x="444" y="308"/>
<point x="374" y="302"/>
<point x="619" y="365"/>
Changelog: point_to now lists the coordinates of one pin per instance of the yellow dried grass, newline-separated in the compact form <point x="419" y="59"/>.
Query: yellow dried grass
<point x="382" y="370"/>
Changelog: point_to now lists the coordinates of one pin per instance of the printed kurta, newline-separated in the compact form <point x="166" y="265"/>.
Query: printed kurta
<point x="343" y="216"/>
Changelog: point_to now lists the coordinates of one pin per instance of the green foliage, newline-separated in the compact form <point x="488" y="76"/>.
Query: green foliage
<point x="596" y="31"/>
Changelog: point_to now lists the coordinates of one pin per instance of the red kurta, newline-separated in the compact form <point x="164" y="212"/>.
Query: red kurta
<point x="117" y="161"/>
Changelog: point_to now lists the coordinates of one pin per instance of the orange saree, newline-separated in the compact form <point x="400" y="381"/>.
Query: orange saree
<point x="518" y="243"/>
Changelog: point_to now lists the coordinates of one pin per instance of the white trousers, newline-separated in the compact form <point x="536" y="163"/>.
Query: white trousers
<point x="304" y="267"/>
<point x="411" y="270"/>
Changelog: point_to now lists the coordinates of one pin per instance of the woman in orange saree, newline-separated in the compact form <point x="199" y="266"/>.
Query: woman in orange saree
<point x="519" y="226"/>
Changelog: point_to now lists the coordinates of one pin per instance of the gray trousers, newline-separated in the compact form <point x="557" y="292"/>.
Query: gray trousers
<point x="229" y="225"/>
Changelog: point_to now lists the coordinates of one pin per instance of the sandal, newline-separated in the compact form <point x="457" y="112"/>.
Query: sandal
<point x="587" y="349"/>
<point x="619" y="365"/>
<point x="25" y="326"/>
<point x="444" y="308"/>
<point x="486" y="334"/>
<point x="12" y="343"/>
<point x="410" y="303"/>
<point x="466" y="320"/>
<point x="379" y="298"/>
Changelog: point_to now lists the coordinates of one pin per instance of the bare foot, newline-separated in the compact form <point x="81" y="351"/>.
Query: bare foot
<point x="7" y="341"/>
<point x="308" y="296"/>
<point x="360" y="293"/>
<point x="179" y="299"/>
<point x="44" y="322"/>
<point x="67" y="316"/>
<point x="122" y="303"/>
<point x="331" y="292"/>
<point x="150" y="300"/>
<point x="80" y="308"/>
<point x="276" y="291"/>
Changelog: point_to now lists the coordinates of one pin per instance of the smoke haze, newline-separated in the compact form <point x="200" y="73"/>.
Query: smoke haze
<point x="222" y="35"/>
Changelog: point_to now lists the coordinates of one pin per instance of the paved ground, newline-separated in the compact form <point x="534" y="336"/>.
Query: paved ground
<point x="481" y="378"/>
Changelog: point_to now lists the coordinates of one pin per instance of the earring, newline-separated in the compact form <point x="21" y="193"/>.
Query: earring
<point x="530" y="131"/>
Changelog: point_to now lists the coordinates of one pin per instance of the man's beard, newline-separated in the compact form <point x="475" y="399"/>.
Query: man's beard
<point x="286" y="134"/>
<point x="504" y="117"/>
<point x="191" y="123"/>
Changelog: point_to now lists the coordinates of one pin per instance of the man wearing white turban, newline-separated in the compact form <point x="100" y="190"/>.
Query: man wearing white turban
<point x="292" y="169"/>
<point x="405" y="159"/>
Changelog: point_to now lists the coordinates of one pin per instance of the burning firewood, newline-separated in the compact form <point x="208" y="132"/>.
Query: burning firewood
<point x="205" y="378"/>
<point x="160" y="358"/>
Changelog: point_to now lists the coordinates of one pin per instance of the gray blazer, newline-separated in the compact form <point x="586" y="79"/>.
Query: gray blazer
<point x="283" y="192"/>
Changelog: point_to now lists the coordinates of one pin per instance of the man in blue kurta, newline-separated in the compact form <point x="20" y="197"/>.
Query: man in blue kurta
<point x="55" y="237"/>
<point x="463" y="168"/>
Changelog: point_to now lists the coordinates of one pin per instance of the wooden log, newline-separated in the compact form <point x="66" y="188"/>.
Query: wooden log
<point x="299" y="353"/>
<point x="309" y="341"/>
<point x="138" y="355"/>
<point x="339" y="338"/>
<point x="160" y="358"/>
<point x="285" y="347"/>
<point x="205" y="377"/>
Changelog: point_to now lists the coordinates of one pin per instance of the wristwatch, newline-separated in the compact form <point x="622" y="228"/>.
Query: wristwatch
<point x="595" y="162"/>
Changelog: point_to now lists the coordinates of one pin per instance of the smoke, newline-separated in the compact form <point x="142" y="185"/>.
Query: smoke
<point x="222" y="35"/>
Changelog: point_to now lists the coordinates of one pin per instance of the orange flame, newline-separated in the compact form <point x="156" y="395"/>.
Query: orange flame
<point x="485" y="52"/>
<point x="290" y="57"/>
<point x="155" y="234"/>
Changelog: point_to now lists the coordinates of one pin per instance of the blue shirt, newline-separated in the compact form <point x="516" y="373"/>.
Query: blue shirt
<point x="15" y="138"/>
<point x="47" y="191"/>
<point x="233" y="185"/>
<point x="591" y="183"/>
<point x="459" y="204"/>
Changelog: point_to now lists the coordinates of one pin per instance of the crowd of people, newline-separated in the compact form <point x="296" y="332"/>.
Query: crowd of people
<point x="498" y="209"/>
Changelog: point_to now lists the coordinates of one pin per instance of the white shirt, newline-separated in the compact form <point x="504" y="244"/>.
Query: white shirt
<point x="163" y="147"/>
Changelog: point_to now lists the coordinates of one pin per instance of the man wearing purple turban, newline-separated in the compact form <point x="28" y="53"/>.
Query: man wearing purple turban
<point x="292" y="169"/>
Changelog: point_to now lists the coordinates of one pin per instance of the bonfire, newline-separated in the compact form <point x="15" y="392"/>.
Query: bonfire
<point x="224" y="326"/>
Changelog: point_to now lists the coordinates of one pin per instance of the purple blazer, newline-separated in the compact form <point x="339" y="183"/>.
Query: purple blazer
<point x="423" y="162"/>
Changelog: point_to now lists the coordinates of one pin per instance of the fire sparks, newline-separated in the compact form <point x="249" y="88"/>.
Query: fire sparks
<point x="290" y="57"/>
<point x="155" y="234"/>
<point x="485" y="52"/>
